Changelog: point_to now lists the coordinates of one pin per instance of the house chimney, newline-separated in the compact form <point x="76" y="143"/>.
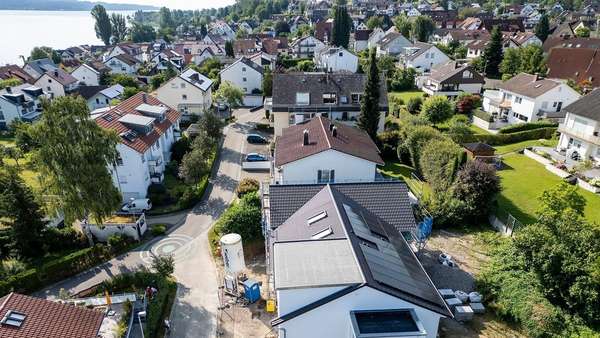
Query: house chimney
<point x="305" y="137"/>
<point x="56" y="73"/>
<point x="144" y="98"/>
<point x="9" y="90"/>
<point x="331" y="126"/>
<point x="334" y="132"/>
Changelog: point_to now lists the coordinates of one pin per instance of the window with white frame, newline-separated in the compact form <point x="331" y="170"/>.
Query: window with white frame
<point x="302" y="98"/>
<point x="355" y="98"/>
<point x="518" y="99"/>
<point x="325" y="176"/>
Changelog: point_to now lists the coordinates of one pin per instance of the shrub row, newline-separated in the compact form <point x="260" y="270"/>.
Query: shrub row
<point x="483" y="115"/>
<point x="520" y="136"/>
<point x="289" y="63"/>
<point x="34" y="279"/>
<point x="527" y="126"/>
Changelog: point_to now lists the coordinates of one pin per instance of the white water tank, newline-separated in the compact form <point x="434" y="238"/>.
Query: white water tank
<point x="233" y="254"/>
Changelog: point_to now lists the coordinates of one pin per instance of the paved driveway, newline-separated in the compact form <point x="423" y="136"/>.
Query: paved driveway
<point x="195" y="308"/>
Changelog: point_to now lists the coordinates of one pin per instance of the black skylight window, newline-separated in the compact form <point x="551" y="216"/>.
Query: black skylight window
<point x="386" y="322"/>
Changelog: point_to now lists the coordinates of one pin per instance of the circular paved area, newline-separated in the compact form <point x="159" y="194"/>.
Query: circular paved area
<point x="180" y="246"/>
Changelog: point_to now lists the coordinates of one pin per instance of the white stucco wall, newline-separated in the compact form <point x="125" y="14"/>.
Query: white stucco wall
<point x="196" y="100"/>
<point x="50" y="86"/>
<point x="428" y="60"/>
<point x="289" y="300"/>
<point x="243" y="77"/>
<point x="347" y="168"/>
<point x="529" y="107"/>
<point x="86" y="76"/>
<point x="333" y="318"/>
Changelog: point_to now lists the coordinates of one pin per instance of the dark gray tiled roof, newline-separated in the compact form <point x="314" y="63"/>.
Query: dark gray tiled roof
<point x="386" y="200"/>
<point x="382" y="255"/>
<point x="285" y="87"/>
<point x="587" y="106"/>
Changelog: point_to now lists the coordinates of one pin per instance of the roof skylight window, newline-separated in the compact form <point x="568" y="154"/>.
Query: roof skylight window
<point x="317" y="217"/>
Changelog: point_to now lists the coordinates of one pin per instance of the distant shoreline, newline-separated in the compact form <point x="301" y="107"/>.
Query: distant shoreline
<point x="153" y="9"/>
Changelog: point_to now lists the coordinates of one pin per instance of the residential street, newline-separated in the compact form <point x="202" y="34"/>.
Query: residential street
<point x="194" y="311"/>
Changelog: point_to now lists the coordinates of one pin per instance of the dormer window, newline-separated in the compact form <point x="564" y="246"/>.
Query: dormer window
<point x="303" y="99"/>
<point x="330" y="98"/>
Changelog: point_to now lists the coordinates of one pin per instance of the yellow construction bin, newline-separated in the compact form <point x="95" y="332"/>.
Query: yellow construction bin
<point x="270" y="305"/>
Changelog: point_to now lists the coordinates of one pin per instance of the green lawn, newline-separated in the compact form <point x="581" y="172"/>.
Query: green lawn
<point x="478" y="131"/>
<point x="515" y="147"/>
<point x="523" y="180"/>
<point x="403" y="172"/>
<point x="405" y="96"/>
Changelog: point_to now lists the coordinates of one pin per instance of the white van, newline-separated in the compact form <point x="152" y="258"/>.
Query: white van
<point x="137" y="205"/>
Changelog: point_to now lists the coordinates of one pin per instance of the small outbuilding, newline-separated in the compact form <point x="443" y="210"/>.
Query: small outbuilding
<point x="479" y="149"/>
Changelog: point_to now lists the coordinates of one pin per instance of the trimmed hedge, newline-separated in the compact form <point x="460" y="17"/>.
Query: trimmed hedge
<point x="56" y="270"/>
<point x="483" y="115"/>
<point x="527" y="126"/>
<point x="501" y="139"/>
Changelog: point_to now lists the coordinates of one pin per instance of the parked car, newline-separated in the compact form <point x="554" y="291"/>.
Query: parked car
<point x="137" y="205"/>
<point x="256" y="157"/>
<point x="255" y="138"/>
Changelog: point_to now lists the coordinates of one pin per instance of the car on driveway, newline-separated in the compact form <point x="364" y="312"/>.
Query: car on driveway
<point x="256" y="157"/>
<point x="256" y="139"/>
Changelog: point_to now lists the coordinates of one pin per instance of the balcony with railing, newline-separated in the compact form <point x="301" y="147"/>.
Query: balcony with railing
<point x="593" y="138"/>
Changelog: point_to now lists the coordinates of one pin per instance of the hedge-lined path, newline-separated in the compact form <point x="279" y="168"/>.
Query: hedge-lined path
<point x="195" y="308"/>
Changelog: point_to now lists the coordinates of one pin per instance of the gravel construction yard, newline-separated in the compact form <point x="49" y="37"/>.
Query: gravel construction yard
<point x="468" y="250"/>
<point x="237" y="320"/>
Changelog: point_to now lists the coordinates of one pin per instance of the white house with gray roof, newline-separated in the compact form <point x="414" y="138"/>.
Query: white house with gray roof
<point x="451" y="79"/>
<point x="341" y="266"/>
<point x="335" y="59"/>
<point x="393" y="44"/>
<point x="247" y="76"/>
<point x="22" y="102"/>
<point x="580" y="131"/>
<point x="57" y="83"/>
<point x="190" y="93"/>
<point x="527" y="98"/>
<point x="422" y="57"/>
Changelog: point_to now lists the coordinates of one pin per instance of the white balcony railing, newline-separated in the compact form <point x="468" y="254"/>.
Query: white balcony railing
<point x="595" y="139"/>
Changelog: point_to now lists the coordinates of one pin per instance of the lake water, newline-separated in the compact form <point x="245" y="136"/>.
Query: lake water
<point x="20" y="31"/>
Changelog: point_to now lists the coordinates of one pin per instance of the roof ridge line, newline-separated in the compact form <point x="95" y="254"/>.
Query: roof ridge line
<point x="321" y="120"/>
<point x="6" y="301"/>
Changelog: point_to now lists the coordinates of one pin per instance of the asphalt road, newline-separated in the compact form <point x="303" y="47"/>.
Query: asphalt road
<point x="195" y="309"/>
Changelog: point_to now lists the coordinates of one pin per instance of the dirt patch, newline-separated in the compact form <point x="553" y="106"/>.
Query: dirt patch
<point x="469" y="252"/>
<point x="238" y="319"/>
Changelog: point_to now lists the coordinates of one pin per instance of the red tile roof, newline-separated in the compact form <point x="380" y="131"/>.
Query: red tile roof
<point x="349" y="140"/>
<point x="140" y="143"/>
<point x="577" y="64"/>
<point x="46" y="319"/>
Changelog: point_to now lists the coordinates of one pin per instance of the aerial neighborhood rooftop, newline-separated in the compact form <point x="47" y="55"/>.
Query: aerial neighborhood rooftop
<point x="299" y="168"/>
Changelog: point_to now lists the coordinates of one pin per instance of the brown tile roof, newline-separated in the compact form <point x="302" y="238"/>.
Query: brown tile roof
<point x="9" y="71"/>
<point x="61" y="76"/>
<point x="128" y="59"/>
<point x="349" y="140"/>
<point x="110" y="120"/>
<point x="323" y="30"/>
<point x="244" y="47"/>
<point x="577" y="64"/>
<point x="553" y="42"/>
<point x="47" y="319"/>
<point x="528" y="85"/>
<point x="362" y="35"/>
<point x="269" y="46"/>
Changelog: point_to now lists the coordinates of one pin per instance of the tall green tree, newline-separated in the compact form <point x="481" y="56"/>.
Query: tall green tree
<point x="20" y="211"/>
<point x="511" y="62"/>
<point x="73" y="157"/>
<point x="119" y="27"/>
<point x="140" y="32"/>
<point x="532" y="60"/>
<point x="437" y="109"/>
<point x="229" y="94"/>
<point x="165" y="19"/>
<point x="103" y="25"/>
<point x="439" y="162"/>
<point x="341" y="25"/>
<point x="422" y="28"/>
<point x="368" y="119"/>
<point x="267" y="83"/>
<point x="542" y="29"/>
<point x="229" y="49"/>
<point x="403" y="25"/>
<point x="492" y="54"/>
<point x="45" y="52"/>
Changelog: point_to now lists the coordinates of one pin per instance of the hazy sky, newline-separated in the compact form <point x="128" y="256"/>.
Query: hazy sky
<point x="178" y="4"/>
